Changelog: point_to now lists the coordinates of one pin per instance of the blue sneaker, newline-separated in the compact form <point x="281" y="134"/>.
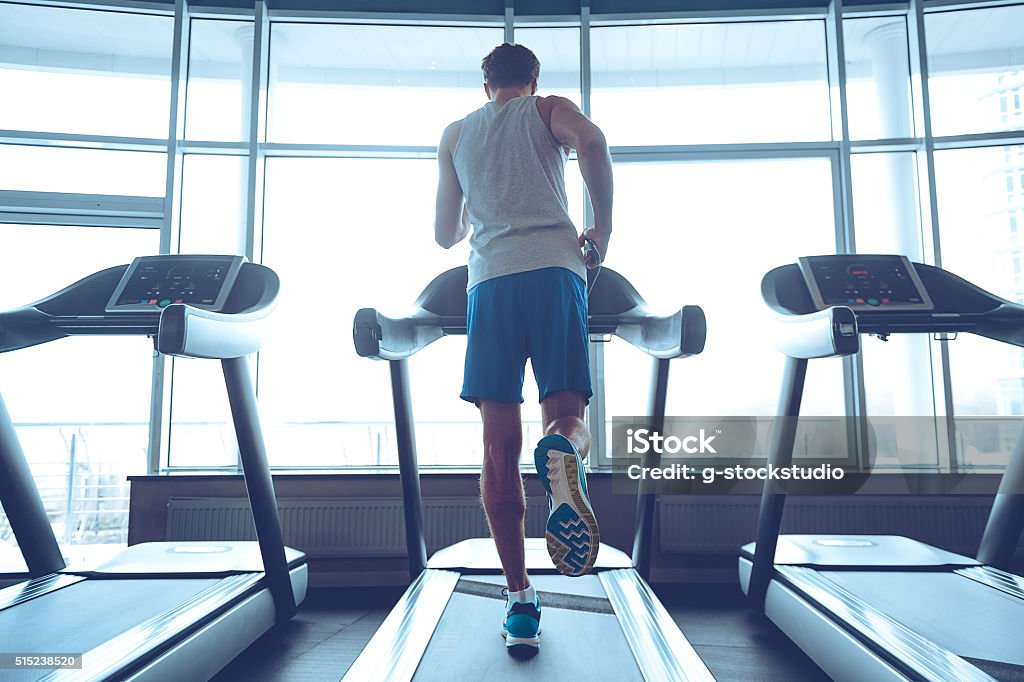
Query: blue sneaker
<point x="571" y="532"/>
<point x="521" y="628"/>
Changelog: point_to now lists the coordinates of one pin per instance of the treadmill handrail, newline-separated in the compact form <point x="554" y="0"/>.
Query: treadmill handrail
<point x="616" y="308"/>
<point x="179" y="329"/>
<point x="828" y="333"/>
<point x="196" y="333"/>
<point x="960" y="306"/>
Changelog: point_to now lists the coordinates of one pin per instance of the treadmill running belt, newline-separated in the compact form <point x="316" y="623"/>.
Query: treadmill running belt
<point x="82" y="616"/>
<point x="553" y="600"/>
<point x="978" y="629"/>
<point x="575" y="645"/>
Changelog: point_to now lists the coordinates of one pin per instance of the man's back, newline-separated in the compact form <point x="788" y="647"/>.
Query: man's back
<point x="512" y="171"/>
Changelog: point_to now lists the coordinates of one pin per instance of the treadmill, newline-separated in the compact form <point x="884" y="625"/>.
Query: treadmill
<point x="446" y="626"/>
<point x="158" y="611"/>
<point x="876" y="607"/>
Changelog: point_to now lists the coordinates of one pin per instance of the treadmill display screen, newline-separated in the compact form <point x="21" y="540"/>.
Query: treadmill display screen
<point x="155" y="282"/>
<point x="864" y="282"/>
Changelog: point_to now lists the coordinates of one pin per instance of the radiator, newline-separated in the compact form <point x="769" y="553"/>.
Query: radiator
<point x="351" y="527"/>
<point x="716" y="525"/>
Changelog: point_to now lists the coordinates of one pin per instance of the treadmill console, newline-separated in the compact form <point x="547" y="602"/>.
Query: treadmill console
<point x="151" y="283"/>
<point x="864" y="282"/>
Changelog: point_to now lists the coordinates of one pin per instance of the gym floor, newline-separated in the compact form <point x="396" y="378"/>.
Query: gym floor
<point x="334" y="625"/>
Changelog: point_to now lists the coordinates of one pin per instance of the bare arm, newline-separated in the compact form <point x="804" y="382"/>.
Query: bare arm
<point x="571" y="128"/>
<point x="451" y="220"/>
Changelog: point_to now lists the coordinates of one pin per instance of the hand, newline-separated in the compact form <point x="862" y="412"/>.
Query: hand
<point x="595" y="256"/>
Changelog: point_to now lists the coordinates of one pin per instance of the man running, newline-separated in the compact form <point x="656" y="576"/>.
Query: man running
<point x="502" y="170"/>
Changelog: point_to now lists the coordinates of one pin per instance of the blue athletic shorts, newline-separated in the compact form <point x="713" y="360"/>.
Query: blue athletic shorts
<point x="539" y="314"/>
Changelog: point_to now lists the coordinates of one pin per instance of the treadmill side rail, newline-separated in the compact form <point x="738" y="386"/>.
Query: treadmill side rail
<point x="114" y="656"/>
<point x="1009" y="583"/>
<point x="396" y="649"/>
<point x="36" y="587"/>
<point x="659" y="647"/>
<point x="923" y="657"/>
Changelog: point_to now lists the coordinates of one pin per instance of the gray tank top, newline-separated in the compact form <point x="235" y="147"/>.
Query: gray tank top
<point x="512" y="171"/>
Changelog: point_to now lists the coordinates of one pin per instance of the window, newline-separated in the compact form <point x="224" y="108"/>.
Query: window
<point x="80" y="406"/>
<point x="901" y="413"/>
<point x="679" y="225"/>
<point x="339" y="84"/>
<point x="975" y="65"/>
<point x="977" y="244"/>
<point x="711" y="83"/>
<point x="82" y="171"/>
<point x="202" y="434"/>
<point x="345" y="91"/>
<point x="86" y="72"/>
<point x="877" y="78"/>
<point x="340" y="240"/>
<point x="219" y="77"/>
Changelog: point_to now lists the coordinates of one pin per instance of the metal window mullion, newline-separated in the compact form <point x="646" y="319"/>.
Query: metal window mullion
<point x="854" y="397"/>
<point x="596" y="413"/>
<point x="510" y="20"/>
<point x="975" y="140"/>
<point x="176" y="129"/>
<point x="585" y="75"/>
<point x="256" y="166"/>
<point x="836" y="59"/>
<point x="35" y="138"/>
<point x="257" y="130"/>
<point x="120" y="6"/>
<point x="724" y="152"/>
<point x="947" y="455"/>
<point x="950" y="5"/>
<point x="160" y="400"/>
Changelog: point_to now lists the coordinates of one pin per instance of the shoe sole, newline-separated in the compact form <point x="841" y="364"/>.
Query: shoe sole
<point x="521" y="647"/>
<point x="571" y="532"/>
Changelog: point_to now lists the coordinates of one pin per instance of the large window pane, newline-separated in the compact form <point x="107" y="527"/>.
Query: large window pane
<point x="976" y="70"/>
<point x="82" y="171"/>
<point x="981" y="206"/>
<point x="709" y="83"/>
<point x="341" y="241"/>
<point x="78" y="71"/>
<point x="219" y="66"/>
<point x="887" y="212"/>
<point x="383" y="85"/>
<point x="212" y="194"/>
<point x="878" y="78"/>
<point x="705" y="233"/>
<point x="80" y="406"/>
<point x="202" y="434"/>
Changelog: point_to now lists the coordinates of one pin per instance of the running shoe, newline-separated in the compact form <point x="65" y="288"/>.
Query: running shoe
<point x="521" y="628"/>
<point x="571" y="532"/>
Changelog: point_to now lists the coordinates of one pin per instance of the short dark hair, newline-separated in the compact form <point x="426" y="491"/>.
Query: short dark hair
<point x="510" y="65"/>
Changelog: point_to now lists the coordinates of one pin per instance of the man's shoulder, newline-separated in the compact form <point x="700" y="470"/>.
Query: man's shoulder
<point x="551" y="101"/>
<point x="546" y="105"/>
<point x="451" y="134"/>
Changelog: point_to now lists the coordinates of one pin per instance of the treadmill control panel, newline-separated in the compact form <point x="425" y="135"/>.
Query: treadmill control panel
<point x="864" y="282"/>
<point x="152" y="283"/>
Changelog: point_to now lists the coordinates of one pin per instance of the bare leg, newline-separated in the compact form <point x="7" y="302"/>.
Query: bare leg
<point x="562" y="412"/>
<point x="501" y="487"/>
